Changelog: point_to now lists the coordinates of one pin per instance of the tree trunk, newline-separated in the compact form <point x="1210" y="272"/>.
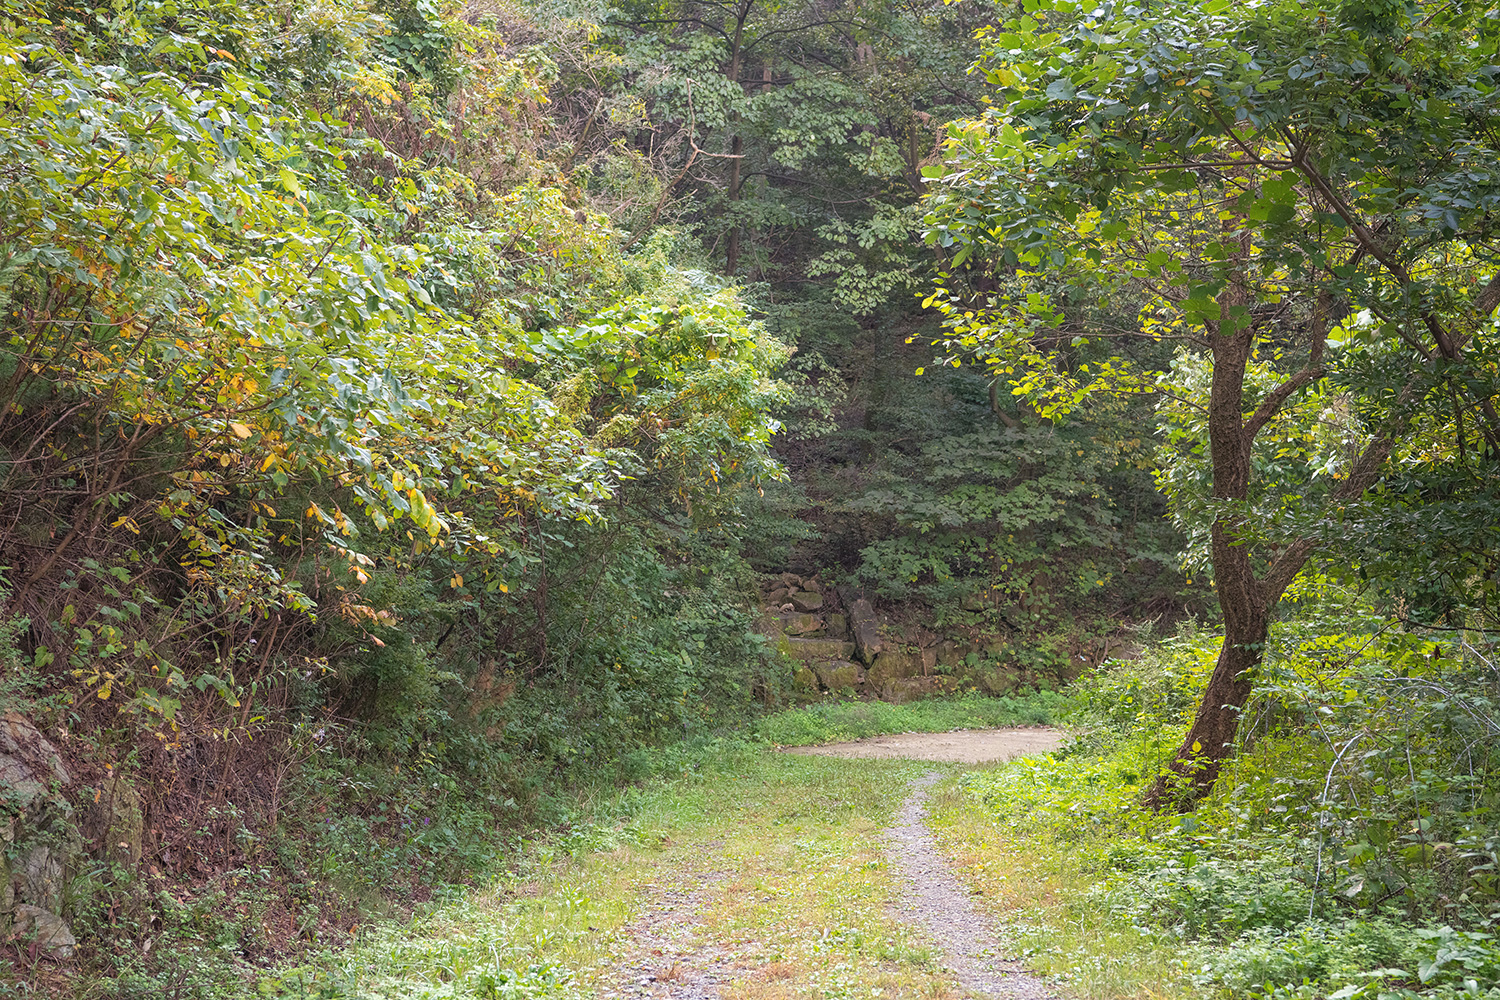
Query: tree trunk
<point x="732" y="259"/>
<point x="1244" y="601"/>
<point x="736" y="144"/>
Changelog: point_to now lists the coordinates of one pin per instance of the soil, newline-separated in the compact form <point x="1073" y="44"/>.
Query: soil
<point x="970" y="746"/>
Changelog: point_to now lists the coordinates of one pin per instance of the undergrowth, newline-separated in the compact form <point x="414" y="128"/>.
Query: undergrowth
<point x="1349" y="850"/>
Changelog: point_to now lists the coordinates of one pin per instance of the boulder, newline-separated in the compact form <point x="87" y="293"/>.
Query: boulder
<point x="837" y="675"/>
<point x="46" y="931"/>
<point x="777" y="597"/>
<point x="804" y="680"/>
<point x="812" y="586"/>
<point x="866" y="629"/>
<point x="909" y="689"/>
<point x="791" y="580"/>
<point x="811" y="650"/>
<point x="800" y="624"/>
<point x="116" y="821"/>
<point x="996" y="680"/>
<point x="806" y="601"/>
<point x="837" y="625"/>
<point x="40" y="847"/>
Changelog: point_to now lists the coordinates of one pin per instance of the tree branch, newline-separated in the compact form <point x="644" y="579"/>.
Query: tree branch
<point x="1269" y="406"/>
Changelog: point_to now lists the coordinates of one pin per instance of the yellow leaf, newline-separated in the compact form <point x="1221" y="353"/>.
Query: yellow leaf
<point x="1197" y="747"/>
<point x="504" y="589"/>
<point x="240" y="430"/>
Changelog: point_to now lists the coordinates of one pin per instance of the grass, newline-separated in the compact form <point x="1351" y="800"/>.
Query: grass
<point x="1042" y="891"/>
<point x="776" y="859"/>
<point x="834" y="722"/>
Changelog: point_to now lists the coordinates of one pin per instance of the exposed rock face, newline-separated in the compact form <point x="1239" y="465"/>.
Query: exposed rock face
<point x="29" y="765"/>
<point x="799" y="623"/>
<point x="116" y="821"/>
<point x="811" y="623"/>
<point x="812" y="650"/>
<point x="40" y="848"/>
<point x="866" y="629"/>
<point x="951" y="652"/>
<point x="892" y="665"/>
<point x="48" y="932"/>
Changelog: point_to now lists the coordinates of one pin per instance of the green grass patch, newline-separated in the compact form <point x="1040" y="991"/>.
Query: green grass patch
<point x="835" y="722"/>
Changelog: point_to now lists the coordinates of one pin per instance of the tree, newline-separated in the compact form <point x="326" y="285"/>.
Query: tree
<point x="798" y="131"/>
<point x="1262" y="183"/>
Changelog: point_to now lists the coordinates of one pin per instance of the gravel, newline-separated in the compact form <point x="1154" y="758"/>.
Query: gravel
<point x="933" y="898"/>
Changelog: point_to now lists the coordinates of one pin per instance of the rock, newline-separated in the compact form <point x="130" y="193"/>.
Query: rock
<point x="951" y="652"/>
<point x="38" y="877"/>
<point x="811" y="650"/>
<point x="116" y="821"/>
<point x="800" y="623"/>
<point x="45" y="930"/>
<point x="890" y="666"/>
<point x="909" y="689"/>
<point x="778" y="597"/>
<point x="996" y="680"/>
<point x="791" y="580"/>
<point x="804" y="601"/>
<point x="866" y="629"/>
<point x="837" y="625"/>
<point x="805" y="680"/>
<point x="837" y="675"/>
<point x="929" y="661"/>
<point x="812" y="586"/>
<point x="974" y="602"/>
<point x="29" y="765"/>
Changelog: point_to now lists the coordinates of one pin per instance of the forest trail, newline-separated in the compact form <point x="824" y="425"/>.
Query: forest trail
<point x="742" y="873"/>
<point x="671" y="954"/>
<point x="933" y="897"/>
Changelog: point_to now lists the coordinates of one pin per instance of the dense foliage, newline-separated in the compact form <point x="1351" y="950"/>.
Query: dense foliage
<point x="398" y="400"/>
<point x="358" y="482"/>
<point x="1348" y="851"/>
<point x="1302" y="200"/>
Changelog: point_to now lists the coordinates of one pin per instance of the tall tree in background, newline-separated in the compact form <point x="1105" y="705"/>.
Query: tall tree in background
<point x="1265" y="182"/>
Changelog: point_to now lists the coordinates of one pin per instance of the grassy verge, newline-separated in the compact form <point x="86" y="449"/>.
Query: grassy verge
<point x="1310" y="873"/>
<point x="834" y="722"/>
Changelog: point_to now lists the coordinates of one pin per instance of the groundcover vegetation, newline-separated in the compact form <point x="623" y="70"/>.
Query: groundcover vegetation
<point x="1348" y="851"/>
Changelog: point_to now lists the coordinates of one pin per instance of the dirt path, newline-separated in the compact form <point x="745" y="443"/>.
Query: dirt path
<point x="970" y="746"/>
<point x="667" y="957"/>
<point x="669" y="954"/>
<point x="933" y="897"/>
